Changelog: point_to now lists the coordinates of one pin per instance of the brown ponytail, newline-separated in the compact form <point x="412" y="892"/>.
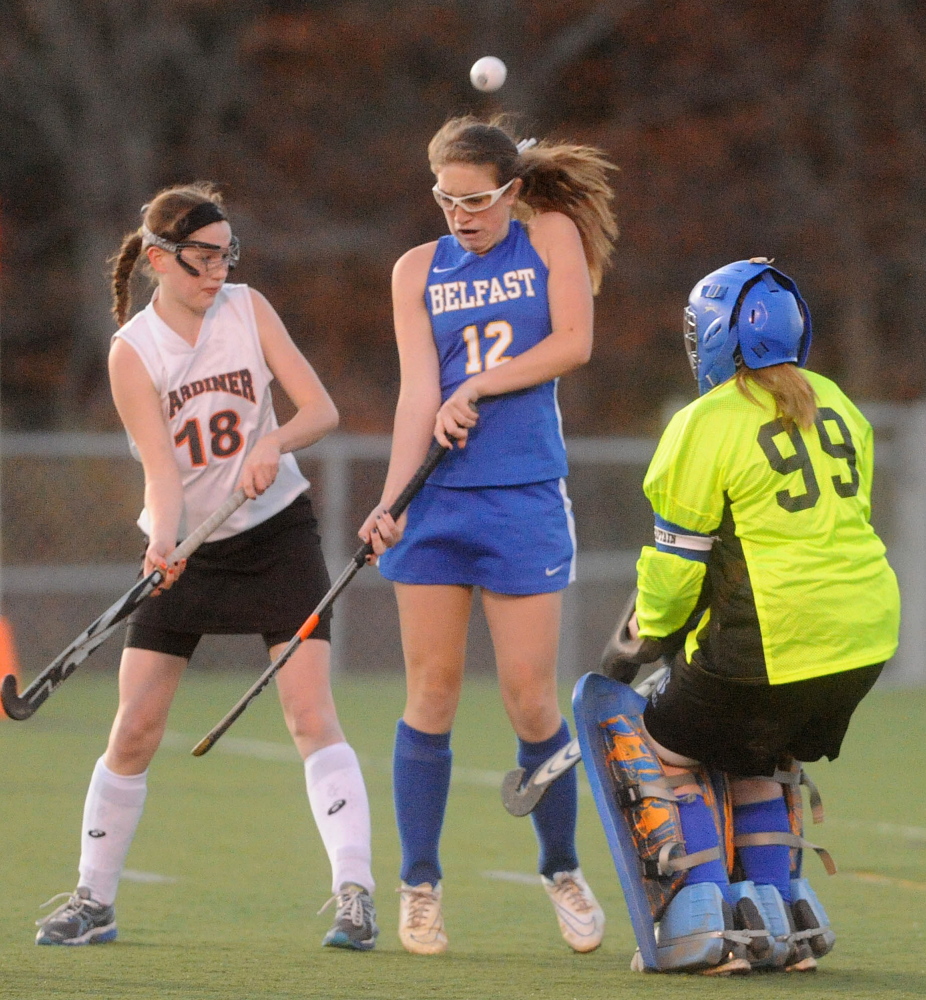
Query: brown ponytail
<point x="161" y="217"/>
<point x="795" y="400"/>
<point x="123" y="265"/>
<point x="558" y="177"/>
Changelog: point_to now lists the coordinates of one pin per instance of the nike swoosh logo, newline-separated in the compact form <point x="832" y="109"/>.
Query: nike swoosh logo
<point x="440" y="270"/>
<point x="555" y="570"/>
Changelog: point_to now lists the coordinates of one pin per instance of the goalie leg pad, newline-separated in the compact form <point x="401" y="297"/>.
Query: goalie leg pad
<point x="775" y="917"/>
<point x="810" y="919"/>
<point x="697" y="933"/>
<point x="640" y="816"/>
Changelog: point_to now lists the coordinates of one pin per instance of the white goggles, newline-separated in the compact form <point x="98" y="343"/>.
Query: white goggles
<point x="478" y="202"/>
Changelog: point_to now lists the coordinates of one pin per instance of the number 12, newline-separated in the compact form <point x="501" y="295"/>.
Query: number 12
<point x="495" y="355"/>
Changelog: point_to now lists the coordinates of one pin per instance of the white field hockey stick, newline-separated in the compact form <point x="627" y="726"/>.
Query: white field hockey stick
<point x="57" y="672"/>
<point x="435" y="454"/>
<point x="522" y="801"/>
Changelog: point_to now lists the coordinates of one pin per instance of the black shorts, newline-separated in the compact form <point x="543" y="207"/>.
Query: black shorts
<point x="266" y="581"/>
<point x="747" y="729"/>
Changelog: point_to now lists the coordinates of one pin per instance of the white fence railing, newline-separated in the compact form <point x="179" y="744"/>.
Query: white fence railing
<point x="605" y="571"/>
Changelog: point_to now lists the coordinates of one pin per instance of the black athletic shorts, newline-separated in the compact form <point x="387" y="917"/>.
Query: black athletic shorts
<point x="746" y="728"/>
<point x="266" y="581"/>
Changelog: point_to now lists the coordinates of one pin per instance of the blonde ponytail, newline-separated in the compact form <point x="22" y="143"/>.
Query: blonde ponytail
<point x="795" y="399"/>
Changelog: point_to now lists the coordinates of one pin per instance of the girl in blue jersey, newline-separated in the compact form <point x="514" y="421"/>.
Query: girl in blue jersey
<point x="487" y="319"/>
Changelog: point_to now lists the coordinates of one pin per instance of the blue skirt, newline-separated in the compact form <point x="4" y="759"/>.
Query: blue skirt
<point x="507" y="539"/>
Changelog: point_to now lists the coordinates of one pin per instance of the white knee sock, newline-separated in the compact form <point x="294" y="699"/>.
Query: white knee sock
<point x="339" y="803"/>
<point x="111" y="813"/>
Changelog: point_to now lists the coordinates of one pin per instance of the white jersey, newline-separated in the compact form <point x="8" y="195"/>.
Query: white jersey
<point x="216" y="400"/>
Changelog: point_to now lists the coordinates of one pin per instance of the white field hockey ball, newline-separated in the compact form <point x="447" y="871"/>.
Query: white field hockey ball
<point x="488" y="73"/>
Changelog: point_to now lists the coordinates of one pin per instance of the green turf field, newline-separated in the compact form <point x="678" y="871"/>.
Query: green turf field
<point x="227" y="872"/>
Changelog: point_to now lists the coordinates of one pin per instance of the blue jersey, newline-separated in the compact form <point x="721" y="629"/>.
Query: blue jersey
<point x="484" y="311"/>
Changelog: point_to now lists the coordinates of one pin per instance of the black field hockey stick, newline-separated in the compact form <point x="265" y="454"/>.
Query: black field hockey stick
<point x="522" y="800"/>
<point x="435" y="454"/>
<point x="60" y="669"/>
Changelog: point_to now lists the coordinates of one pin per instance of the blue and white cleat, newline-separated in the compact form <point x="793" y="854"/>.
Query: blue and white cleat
<point x="354" y="921"/>
<point x="81" y="920"/>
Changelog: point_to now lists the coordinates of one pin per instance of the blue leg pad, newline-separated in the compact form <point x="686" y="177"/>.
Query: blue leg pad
<point x="596" y="699"/>
<point x="693" y="933"/>
<point x="774" y="912"/>
<point x="810" y="918"/>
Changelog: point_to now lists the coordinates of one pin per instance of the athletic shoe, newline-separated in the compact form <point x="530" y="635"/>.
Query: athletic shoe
<point x="581" y="919"/>
<point x="421" y="921"/>
<point x="354" y="920"/>
<point x="81" y="920"/>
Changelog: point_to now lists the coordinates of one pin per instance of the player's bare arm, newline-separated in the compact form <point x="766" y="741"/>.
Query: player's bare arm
<point x="139" y="408"/>
<point x="315" y="414"/>
<point x="419" y="395"/>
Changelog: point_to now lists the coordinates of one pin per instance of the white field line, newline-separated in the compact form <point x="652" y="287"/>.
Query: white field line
<point x="896" y="830"/>
<point x="285" y="753"/>
<point x="130" y="875"/>
<point x="473" y="776"/>
<point x="521" y="878"/>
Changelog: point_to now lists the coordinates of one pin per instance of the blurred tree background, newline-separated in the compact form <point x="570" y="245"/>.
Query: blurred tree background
<point x="794" y="130"/>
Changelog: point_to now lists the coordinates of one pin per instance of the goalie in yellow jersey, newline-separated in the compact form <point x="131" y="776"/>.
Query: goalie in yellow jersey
<point x="761" y="494"/>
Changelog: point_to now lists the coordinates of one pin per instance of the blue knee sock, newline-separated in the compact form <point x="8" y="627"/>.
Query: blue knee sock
<point x="771" y="863"/>
<point x="700" y="833"/>
<point x="555" y="817"/>
<point x="420" y="782"/>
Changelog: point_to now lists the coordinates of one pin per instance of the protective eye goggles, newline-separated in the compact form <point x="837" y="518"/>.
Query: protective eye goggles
<point x="193" y="255"/>
<point x="478" y="202"/>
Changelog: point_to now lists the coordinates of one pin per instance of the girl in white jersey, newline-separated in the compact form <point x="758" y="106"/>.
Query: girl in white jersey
<point x="190" y="376"/>
<point x="500" y="308"/>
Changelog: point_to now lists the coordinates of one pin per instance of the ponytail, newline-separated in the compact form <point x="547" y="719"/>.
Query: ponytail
<point x="795" y="399"/>
<point x="123" y="265"/>
<point x="574" y="180"/>
<point x="558" y="177"/>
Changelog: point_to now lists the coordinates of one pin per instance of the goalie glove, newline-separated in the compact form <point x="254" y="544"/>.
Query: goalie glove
<point x="623" y="655"/>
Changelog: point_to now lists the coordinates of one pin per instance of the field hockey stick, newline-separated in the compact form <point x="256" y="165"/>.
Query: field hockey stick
<point x="57" y="672"/>
<point x="520" y="801"/>
<point x="435" y="454"/>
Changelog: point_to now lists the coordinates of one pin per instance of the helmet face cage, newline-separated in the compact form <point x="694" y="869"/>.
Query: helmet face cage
<point x="690" y="336"/>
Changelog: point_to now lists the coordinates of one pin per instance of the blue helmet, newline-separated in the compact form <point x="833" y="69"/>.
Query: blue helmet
<point x="747" y="313"/>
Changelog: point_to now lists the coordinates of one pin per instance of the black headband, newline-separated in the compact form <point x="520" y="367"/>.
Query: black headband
<point x="201" y="215"/>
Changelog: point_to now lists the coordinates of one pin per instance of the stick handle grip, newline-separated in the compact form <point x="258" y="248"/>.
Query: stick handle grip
<point x="435" y="453"/>
<point x="431" y="461"/>
<point x="196" y="538"/>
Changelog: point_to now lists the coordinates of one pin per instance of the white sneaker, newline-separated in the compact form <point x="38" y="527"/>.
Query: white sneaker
<point x="421" y="922"/>
<point x="581" y="919"/>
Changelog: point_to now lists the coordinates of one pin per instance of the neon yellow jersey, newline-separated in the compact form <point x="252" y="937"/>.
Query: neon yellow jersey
<point x="797" y="579"/>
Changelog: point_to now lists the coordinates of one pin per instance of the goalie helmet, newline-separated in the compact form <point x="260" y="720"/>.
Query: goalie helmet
<point x="746" y="313"/>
